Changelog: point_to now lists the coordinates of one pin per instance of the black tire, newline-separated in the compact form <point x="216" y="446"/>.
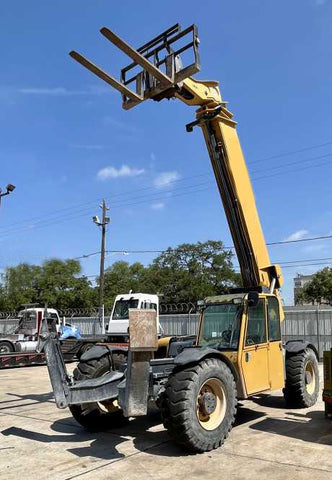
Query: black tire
<point x="84" y="349"/>
<point x="96" y="419"/>
<point x="328" y="410"/>
<point x="6" y="347"/>
<point x="180" y="401"/>
<point x="302" y="379"/>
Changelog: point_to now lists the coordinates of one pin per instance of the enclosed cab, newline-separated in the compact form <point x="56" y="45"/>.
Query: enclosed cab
<point x="119" y="320"/>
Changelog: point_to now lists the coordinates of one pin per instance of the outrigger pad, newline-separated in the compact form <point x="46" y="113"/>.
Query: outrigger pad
<point x="161" y="65"/>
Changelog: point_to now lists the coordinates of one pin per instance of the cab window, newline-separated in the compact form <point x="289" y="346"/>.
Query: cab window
<point x="273" y="319"/>
<point x="256" y="327"/>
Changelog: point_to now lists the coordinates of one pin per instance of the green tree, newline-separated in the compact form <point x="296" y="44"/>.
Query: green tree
<point x="121" y="277"/>
<point x="55" y="282"/>
<point x="193" y="271"/>
<point x="59" y="286"/>
<point x="319" y="289"/>
<point x="20" y="285"/>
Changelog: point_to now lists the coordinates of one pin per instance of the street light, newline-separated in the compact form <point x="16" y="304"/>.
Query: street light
<point x="9" y="189"/>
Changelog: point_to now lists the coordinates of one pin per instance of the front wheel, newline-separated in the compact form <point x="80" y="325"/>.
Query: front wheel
<point x="97" y="415"/>
<point x="302" y="379"/>
<point x="199" y="405"/>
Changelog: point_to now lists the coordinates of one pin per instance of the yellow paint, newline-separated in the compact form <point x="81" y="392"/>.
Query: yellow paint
<point x="206" y="95"/>
<point x="254" y="363"/>
<point x="260" y="366"/>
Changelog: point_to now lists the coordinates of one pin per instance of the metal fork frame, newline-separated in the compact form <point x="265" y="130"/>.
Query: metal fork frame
<point x="151" y="82"/>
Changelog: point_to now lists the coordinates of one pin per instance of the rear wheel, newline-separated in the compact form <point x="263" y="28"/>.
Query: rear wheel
<point x="199" y="405"/>
<point x="97" y="415"/>
<point x="302" y="379"/>
<point x="6" y="347"/>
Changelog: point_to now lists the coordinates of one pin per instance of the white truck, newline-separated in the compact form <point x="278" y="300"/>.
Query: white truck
<point x="118" y="324"/>
<point x="20" y="347"/>
<point x="25" y="337"/>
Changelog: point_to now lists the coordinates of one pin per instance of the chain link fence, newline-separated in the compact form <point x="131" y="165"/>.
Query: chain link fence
<point x="308" y="323"/>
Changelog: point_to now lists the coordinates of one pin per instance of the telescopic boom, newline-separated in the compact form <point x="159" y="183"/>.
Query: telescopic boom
<point x="163" y="75"/>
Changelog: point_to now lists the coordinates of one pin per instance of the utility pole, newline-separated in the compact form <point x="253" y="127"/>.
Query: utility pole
<point x="102" y="223"/>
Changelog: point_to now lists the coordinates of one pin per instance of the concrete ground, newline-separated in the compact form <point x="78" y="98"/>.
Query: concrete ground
<point x="38" y="441"/>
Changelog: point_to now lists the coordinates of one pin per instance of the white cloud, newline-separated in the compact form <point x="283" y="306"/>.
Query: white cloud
<point x="124" y="171"/>
<point x="158" y="206"/>
<point x="165" y="179"/>
<point x="296" y="235"/>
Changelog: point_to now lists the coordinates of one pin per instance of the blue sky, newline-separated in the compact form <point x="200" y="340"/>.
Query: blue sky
<point x="66" y="142"/>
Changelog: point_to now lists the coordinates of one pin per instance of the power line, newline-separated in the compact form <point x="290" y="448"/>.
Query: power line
<point x="236" y="267"/>
<point x="310" y="239"/>
<point x="70" y="216"/>
<point x="308" y="260"/>
<point x="291" y="152"/>
<point x="297" y="162"/>
<point x="282" y="242"/>
<point x="61" y="217"/>
<point x="90" y="202"/>
<point x="292" y="171"/>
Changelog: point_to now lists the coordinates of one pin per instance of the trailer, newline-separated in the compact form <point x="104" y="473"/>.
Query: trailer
<point x="71" y="349"/>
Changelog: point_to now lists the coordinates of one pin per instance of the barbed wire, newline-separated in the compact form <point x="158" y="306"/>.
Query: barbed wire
<point x="164" y="309"/>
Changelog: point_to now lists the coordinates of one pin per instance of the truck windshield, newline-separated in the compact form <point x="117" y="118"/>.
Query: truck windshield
<point x="220" y="327"/>
<point x="121" y="309"/>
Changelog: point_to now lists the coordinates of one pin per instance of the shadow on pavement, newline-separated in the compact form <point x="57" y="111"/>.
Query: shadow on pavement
<point x="310" y="427"/>
<point x="102" y="445"/>
<point x="36" y="397"/>
<point x="246" y="415"/>
<point x="270" y="401"/>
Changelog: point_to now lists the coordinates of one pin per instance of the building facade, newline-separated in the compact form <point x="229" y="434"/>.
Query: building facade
<point x="299" y="282"/>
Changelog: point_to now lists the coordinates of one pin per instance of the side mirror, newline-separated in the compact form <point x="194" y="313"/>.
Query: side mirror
<point x="253" y="298"/>
<point x="200" y="305"/>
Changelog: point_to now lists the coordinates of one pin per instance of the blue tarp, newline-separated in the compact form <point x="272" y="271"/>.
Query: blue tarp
<point x="70" y="331"/>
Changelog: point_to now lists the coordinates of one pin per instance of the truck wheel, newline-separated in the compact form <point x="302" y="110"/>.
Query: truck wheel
<point x="6" y="347"/>
<point x="302" y="379"/>
<point x="199" y="405"/>
<point x="98" y="415"/>
<point x="84" y="349"/>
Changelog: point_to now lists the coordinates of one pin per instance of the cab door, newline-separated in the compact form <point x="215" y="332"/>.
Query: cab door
<point x="254" y="360"/>
<point x="275" y="354"/>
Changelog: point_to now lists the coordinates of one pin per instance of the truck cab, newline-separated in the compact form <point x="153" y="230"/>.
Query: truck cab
<point x="26" y="335"/>
<point x="119" y="320"/>
<point x="30" y="321"/>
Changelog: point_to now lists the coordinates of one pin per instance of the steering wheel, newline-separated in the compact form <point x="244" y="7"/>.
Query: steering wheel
<point x="226" y="335"/>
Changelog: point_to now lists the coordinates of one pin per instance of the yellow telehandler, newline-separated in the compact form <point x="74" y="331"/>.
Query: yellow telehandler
<point x="238" y="351"/>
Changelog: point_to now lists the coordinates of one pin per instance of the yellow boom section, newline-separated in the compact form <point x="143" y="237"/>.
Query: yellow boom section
<point x="233" y="182"/>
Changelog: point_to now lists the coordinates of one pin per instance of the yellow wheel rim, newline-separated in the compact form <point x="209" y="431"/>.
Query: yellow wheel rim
<point x="310" y="378"/>
<point x="211" y="404"/>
